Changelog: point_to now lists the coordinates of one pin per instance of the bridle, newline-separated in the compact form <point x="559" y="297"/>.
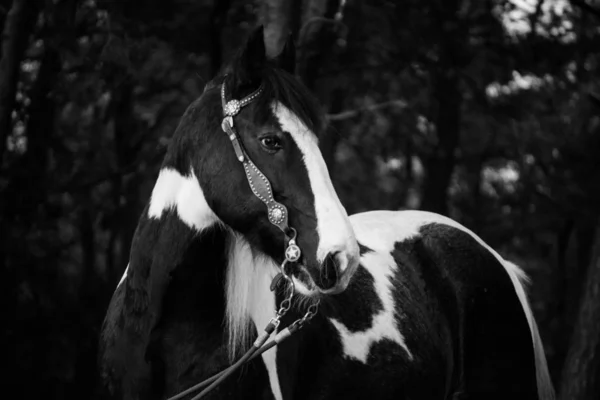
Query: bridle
<point x="278" y="215"/>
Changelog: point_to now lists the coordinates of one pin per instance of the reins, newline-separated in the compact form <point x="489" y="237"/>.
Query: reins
<point x="278" y="215"/>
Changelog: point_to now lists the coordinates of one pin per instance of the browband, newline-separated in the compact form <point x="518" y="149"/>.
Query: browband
<point x="260" y="185"/>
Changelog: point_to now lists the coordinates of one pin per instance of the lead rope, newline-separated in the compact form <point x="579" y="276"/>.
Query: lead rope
<point x="259" y="346"/>
<point x="278" y="216"/>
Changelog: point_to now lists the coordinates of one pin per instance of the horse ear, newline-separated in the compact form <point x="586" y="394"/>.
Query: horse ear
<point x="286" y="60"/>
<point x="254" y="55"/>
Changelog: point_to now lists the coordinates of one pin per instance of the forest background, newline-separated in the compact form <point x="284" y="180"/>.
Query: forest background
<point x="487" y="111"/>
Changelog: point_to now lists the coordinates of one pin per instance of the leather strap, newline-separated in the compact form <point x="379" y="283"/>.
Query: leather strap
<point x="260" y="185"/>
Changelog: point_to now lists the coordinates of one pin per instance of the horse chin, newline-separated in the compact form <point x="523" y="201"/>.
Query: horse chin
<point x="306" y="286"/>
<point x="304" y="283"/>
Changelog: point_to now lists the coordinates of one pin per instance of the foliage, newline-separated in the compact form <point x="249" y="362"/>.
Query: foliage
<point x="486" y="105"/>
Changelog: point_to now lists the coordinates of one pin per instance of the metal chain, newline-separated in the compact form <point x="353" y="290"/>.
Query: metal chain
<point x="310" y="314"/>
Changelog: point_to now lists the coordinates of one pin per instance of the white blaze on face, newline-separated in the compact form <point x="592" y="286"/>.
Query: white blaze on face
<point x="333" y="226"/>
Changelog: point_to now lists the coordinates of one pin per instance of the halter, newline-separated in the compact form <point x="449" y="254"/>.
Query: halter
<point x="278" y="215"/>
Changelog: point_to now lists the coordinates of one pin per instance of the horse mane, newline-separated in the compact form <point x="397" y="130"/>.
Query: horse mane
<point x="245" y="270"/>
<point x="247" y="290"/>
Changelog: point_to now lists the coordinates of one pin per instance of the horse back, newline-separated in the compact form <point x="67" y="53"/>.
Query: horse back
<point x="496" y="353"/>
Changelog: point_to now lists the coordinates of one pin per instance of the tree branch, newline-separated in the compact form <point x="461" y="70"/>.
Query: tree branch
<point x="587" y="7"/>
<point x="374" y="107"/>
<point x="275" y="17"/>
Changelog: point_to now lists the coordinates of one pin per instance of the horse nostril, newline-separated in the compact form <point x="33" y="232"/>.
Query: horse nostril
<point x="329" y="272"/>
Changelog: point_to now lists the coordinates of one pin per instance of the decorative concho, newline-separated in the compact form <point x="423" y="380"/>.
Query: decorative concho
<point x="292" y="253"/>
<point x="276" y="214"/>
<point x="232" y="108"/>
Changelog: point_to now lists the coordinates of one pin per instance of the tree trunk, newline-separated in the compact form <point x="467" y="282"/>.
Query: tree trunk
<point x="316" y="39"/>
<point x="217" y="21"/>
<point x="126" y="216"/>
<point x="17" y="28"/>
<point x="332" y="135"/>
<point x="275" y="16"/>
<point x="581" y="372"/>
<point x="440" y="163"/>
<point x="308" y="35"/>
<point x="26" y="189"/>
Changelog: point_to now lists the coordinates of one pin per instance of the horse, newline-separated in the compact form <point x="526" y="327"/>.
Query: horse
<point x="410" y="304"/>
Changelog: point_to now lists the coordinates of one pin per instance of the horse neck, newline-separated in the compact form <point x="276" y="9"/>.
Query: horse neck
<point x="182" y="249"/>
<point x="168" y="261"/>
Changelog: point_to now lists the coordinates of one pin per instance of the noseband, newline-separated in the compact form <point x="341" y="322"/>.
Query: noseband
<point x="277" y="214"/>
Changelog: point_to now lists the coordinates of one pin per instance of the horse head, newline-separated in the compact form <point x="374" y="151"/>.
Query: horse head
<point x="276" y="134"/>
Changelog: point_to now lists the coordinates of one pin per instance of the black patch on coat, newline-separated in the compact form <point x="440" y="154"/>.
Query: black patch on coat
<point x="497" y="353"/>
<point x="360" y="316"/>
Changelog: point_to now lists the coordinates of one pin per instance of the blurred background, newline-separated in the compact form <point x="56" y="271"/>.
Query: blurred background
<point x="487" y="111"/>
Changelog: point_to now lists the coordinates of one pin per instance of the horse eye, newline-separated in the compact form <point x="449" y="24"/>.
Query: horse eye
<point x="271" y="143"/>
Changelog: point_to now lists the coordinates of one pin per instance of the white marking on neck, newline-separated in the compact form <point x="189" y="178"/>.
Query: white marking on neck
<point x="249" y="298"/>
<point x="333" y="226"/>
<point x="357" y="345"/>
<point x="184" y="194"/>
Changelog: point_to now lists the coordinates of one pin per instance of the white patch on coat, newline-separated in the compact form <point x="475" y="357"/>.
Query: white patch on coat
<point x="249" y="299"/>
<point x="357" y="345"/>
<point x="380" y="230"/>
<point x="184" y="194"/>
<point x="333" y="225"/>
